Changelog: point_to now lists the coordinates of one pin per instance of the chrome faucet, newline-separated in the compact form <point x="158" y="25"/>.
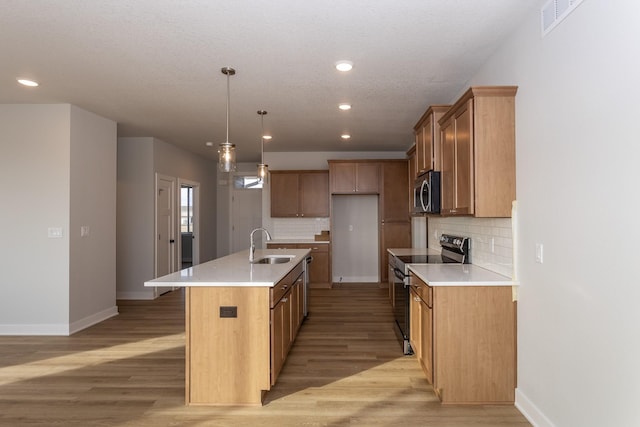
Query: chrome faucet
<point x="252" y="250"/>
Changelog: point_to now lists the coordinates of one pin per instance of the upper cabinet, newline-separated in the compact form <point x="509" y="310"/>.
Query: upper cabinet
<point x="353" y="176"/>
<point x="478" y="153"/>
<point x="300" y="194"/>
<point x="427" y="134"/>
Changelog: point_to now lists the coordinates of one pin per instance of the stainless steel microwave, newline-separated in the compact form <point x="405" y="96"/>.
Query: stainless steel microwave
<point x="426" y="193"/>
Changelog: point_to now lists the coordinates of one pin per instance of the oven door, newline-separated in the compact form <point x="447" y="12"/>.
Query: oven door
<point x="401" y="308"/>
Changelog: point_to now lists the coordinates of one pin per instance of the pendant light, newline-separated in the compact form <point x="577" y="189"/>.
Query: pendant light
<point x="263" y="170"/>
<point x="227" y="150"/>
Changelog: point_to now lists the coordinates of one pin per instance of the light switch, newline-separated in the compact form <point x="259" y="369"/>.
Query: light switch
<point x="350" y="227"/>
<point x="539" y="253"/>
<point x="84" y="231"/>
<point x="54" y="232"/>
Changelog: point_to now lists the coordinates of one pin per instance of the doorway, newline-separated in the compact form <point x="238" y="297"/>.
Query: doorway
<point x="189" y="254"/>
<point x="165" y="248"/>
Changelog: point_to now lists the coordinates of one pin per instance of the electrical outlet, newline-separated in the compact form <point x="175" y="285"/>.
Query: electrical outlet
<point x="539" y="253"/>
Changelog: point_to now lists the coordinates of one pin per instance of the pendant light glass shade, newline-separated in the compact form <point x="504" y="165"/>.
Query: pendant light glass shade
<point x="227" y="150"/>
<point x="263" y="170"/>
<point x="227" y="157"/>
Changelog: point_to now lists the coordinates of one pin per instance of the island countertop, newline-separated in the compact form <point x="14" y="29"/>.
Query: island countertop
<point x="234" y="270"/>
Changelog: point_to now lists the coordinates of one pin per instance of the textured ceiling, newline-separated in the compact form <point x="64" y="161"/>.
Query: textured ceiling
<point x="154" y="65"/>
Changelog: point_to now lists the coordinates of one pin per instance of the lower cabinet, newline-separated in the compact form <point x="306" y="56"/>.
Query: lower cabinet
<point x="465" y="340"/>
<point x="238" y="338"/>
<point x="286" y="318"/>
<point x="320" y="267"/>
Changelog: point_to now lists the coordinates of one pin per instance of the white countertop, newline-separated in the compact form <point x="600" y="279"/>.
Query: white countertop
<point x="234" y="270"/>
<point x="412" y="251"/>
<point x="459" y="275"/>
<point x="296" y="241"/>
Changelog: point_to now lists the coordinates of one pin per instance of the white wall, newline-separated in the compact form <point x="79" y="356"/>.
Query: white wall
<point x="46" y="152"/>
<point x="577" y="171"/>
<point x="135" y="217"/>
<point x="92" y="272"/>
<point x="139" y="159"/>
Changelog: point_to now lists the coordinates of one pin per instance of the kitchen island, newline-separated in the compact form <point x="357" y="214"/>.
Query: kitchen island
<point x="240" y="321"/>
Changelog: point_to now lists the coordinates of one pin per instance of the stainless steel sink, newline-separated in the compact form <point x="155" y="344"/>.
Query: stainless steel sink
<point x="274" y="259"/>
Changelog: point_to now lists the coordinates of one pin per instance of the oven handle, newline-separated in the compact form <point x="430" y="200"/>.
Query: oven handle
<point x="399" y="273"/>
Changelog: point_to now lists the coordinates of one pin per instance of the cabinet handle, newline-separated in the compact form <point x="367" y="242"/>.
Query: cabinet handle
<point x="285" y="286"/>
<point x="285" y="299"/>
<point x="416" y="299"/>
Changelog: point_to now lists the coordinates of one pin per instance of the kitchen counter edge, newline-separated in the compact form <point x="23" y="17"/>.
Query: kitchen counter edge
<point x="459" y="275"/>
<point x="234" y="270"/>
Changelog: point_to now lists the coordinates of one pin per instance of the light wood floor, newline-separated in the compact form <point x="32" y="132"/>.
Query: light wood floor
<point x="345" y="369"/>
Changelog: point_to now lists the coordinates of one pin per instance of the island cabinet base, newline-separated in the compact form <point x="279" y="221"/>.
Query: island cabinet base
<point x="227" y="345"/>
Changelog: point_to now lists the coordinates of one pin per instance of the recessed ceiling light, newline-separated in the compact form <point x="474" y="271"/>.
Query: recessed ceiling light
<point x="27" y="82"/>
<point x="267" y="137"/>
<point x="209" y="144"/>
<point x="345" y="136"/>
<point x="344" y="65"/>
<point x="344" y="107"/>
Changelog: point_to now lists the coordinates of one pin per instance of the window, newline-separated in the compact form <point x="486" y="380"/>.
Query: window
<point x="247" y="182"/>
<point x="186" y="210"/>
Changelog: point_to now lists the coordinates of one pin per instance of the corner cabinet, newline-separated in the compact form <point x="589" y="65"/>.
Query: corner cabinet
<point x="478" y="153"/>
<point x="427" y="135"/>
<point x="299" y="194"/>
<point x="465" y="340"/>
<point x="237" y="339"/>
<point x="354" y="177"/>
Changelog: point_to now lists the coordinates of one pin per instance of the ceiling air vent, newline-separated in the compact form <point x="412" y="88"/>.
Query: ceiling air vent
<point x="554" y="11"/>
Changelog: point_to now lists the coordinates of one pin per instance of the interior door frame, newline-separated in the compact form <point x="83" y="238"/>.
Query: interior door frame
<point x="173" y="252"/>
<point x="196" y="221"/>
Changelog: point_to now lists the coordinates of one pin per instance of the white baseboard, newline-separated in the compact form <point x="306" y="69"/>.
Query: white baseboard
<point x="531" y="411"/>
<point x="93" y="319"/>
<point x="60" y="329"/>
<point x="144" y="295"/>
<point x="35" y="329"/>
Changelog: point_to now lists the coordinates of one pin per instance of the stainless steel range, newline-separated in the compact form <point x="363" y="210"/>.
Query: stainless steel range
<point x="455" y="249"/>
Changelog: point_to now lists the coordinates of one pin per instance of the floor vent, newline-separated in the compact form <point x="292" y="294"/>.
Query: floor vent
<point x="554" y="11"/>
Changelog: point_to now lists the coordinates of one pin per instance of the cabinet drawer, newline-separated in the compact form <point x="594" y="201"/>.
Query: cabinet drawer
<point x="284" y="285"/>
<point x="424" y="291"/>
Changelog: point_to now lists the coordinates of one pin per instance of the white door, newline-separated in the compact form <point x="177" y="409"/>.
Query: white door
<point x="246" y="214"/>
<point x="165" y="229"/>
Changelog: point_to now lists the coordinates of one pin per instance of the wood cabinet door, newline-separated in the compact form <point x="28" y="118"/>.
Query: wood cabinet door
<point x="277" y="341"/>
<point x="427" y="130"/>
<point x="426" y="340"/>
<point x="295" y="313"/>
<point x="314" y="194"/>
<point x="463" y="202"/>
<point x="420" y="154"/>
<point x="447" y="174"/>
<point x="395" y="192"/>
<point x="415" y="333"/>
<point x="284" y="194"/>
<point x="343" y="178"/>
<point x="367" y="178"/>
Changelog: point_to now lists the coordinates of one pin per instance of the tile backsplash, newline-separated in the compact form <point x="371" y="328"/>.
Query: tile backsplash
<point x="496" y="257"/>
<point x="298" y="228"/>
